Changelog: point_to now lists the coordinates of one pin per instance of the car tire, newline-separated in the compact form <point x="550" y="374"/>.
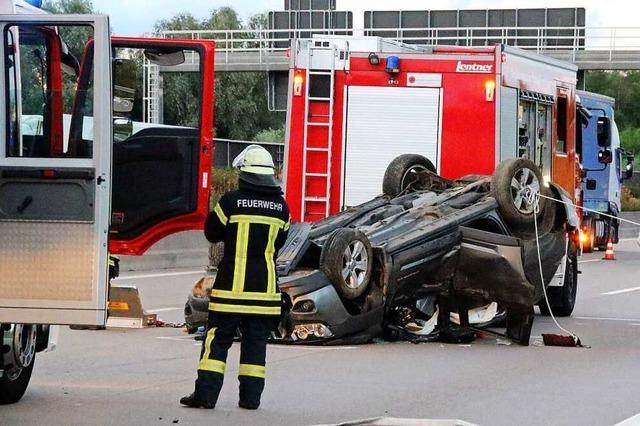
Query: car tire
<point x="589" y="226"/>
<point x="563" y="299"/>
<point x="347" y="260"/>
<point x="13" y="384"/>
<point x="511" y="184"/>
<point x="398" y="177"/>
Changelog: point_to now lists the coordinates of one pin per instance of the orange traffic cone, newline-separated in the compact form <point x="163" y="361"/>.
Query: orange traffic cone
<point x="609" y="255"/>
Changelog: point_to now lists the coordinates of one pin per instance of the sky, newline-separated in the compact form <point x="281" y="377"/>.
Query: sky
<point x="136" y="17"/>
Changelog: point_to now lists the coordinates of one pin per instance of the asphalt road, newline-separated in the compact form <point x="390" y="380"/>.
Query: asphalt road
<point x="135" y="377"/>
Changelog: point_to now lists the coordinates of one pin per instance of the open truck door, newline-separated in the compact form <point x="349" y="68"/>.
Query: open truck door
<point x="84" y="171"/>
<point x="54" y="203"/>
<point x="162" y="138"/>
<point x="89" y="166"/>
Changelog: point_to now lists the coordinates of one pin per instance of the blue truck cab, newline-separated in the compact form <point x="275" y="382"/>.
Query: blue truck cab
<point x="604" y="167"/>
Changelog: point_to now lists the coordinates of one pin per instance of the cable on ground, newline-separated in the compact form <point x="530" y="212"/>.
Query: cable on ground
<point x="552" y="339"/>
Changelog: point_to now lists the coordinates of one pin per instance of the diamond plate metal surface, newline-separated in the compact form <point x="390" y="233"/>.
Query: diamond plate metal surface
<point x="47" y="261"/>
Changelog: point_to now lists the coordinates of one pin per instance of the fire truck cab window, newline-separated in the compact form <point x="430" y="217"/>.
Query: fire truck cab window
<point x="40" y="76"/>
<point x="562" y="124"/>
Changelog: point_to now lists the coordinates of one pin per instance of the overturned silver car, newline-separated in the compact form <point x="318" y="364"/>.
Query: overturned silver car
<point x="432" y="259"/>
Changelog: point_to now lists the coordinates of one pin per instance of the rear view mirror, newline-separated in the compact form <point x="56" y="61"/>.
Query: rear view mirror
<point x="605" y="156"/>
<point x="604" y="132"/>
<point x="628" y="169"/>
<point x="122" y="128"/>
<point x="124" y="79"/>
<point x="69" y="62"/>
<point x="165" y="58"/>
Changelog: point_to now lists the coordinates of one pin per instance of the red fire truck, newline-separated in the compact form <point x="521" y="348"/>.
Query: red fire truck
<point x="356" y="103"/>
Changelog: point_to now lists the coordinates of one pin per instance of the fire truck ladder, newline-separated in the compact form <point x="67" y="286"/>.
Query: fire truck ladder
<point x="319" y="147"/>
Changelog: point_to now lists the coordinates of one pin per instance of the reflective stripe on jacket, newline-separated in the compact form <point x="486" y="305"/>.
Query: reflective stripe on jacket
<point x="253" y="223"/>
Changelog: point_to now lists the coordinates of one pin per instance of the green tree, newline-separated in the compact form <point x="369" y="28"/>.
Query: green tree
<point x="270" y="135"/>
<point x="181" y="21"/>
<point x="624" y="87"/>
<point x="74" y="37"/>
<point x="241" y="97"/>
<point x="224" y="18"/>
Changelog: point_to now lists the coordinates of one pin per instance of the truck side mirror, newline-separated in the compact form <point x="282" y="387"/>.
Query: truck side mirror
<point x="604" y="132"/>
<point x="628" y="169"/>
<point x="124" y="85"/>
<point x="605" y="156"/>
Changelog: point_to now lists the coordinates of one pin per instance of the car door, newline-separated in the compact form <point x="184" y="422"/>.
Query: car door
<point x="54" y="201"/>
<point x="163" y="132"/>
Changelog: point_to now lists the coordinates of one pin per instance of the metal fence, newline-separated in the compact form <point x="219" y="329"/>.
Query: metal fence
<point x="263" y="44"/>
<point x="225" y="150"/>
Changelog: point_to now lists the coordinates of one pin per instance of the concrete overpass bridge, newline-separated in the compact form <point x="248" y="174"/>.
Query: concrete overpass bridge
<point x="590" y="48"/>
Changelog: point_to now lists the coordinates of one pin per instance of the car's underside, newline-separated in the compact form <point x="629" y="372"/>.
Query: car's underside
<point x="439" y="259"/>
<point x="438" y="250"/>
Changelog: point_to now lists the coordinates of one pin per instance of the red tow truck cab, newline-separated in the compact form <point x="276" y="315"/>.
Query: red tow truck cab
<point x="355" y="103"/>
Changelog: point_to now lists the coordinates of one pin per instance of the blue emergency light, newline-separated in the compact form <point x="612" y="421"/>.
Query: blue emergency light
<point x="35" y="3"/>
<point x="393" y="65"/>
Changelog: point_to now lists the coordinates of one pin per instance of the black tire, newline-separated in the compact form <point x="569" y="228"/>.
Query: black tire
<point x="398" y="174"/>
<point x="14" y="385"/>
<point x="589" y="226"/>
<point x="11" y="391"/>
<point x="347" y="251"/>
<point x="563" y="299"/>
<point x="512" y="181"/>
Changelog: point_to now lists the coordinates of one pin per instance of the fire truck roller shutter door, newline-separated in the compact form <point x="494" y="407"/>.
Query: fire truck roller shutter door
<point x="384" y="122"/>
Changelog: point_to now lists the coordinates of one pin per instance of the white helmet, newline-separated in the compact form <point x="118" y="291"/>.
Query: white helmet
<point x="255" y="159"/>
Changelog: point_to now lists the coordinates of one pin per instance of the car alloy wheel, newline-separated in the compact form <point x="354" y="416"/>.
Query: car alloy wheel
<point x="355" y="262"/>
<point x="524" y="188"/>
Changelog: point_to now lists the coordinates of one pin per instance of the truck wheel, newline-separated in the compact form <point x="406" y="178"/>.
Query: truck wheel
<point x="514" y="185"/>
<point x="401" y="172"/>
<point x="347" y="260"/>
<point x="18" y="356"/>
<point x="590" y="230"/>
<point x="563" y="299"/>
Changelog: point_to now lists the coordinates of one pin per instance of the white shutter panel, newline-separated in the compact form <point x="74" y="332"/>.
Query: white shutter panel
<point x="382" y="123"/>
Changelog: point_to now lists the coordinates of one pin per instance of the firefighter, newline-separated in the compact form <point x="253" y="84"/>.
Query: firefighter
<point x="253" y="223"/>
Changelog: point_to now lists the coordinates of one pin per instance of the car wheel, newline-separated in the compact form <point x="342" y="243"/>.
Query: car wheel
<point x="18" y="355"/>
<point x="563" y="299"/>
<point x="590" y="229"/>
<point x="514" y="185"/>
<point x="347" y="260"/>
<point x="402" y="172"/>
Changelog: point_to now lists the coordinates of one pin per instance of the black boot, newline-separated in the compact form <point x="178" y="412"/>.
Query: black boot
<point x="193" y="402"/>
<point x="248" y="405"/>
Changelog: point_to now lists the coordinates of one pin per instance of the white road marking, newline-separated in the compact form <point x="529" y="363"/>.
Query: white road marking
<point x="631" y="421"/>
<point x="178" y="338"/>
<point x="173" y="308"/>
<point x="161" y="274"/>
<point x="589" y="260"/>
<point x="624" y="290"/>
<point x="272" y="346"/>
<point x="608" y="319"/>
<point x="313" y="348"/>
